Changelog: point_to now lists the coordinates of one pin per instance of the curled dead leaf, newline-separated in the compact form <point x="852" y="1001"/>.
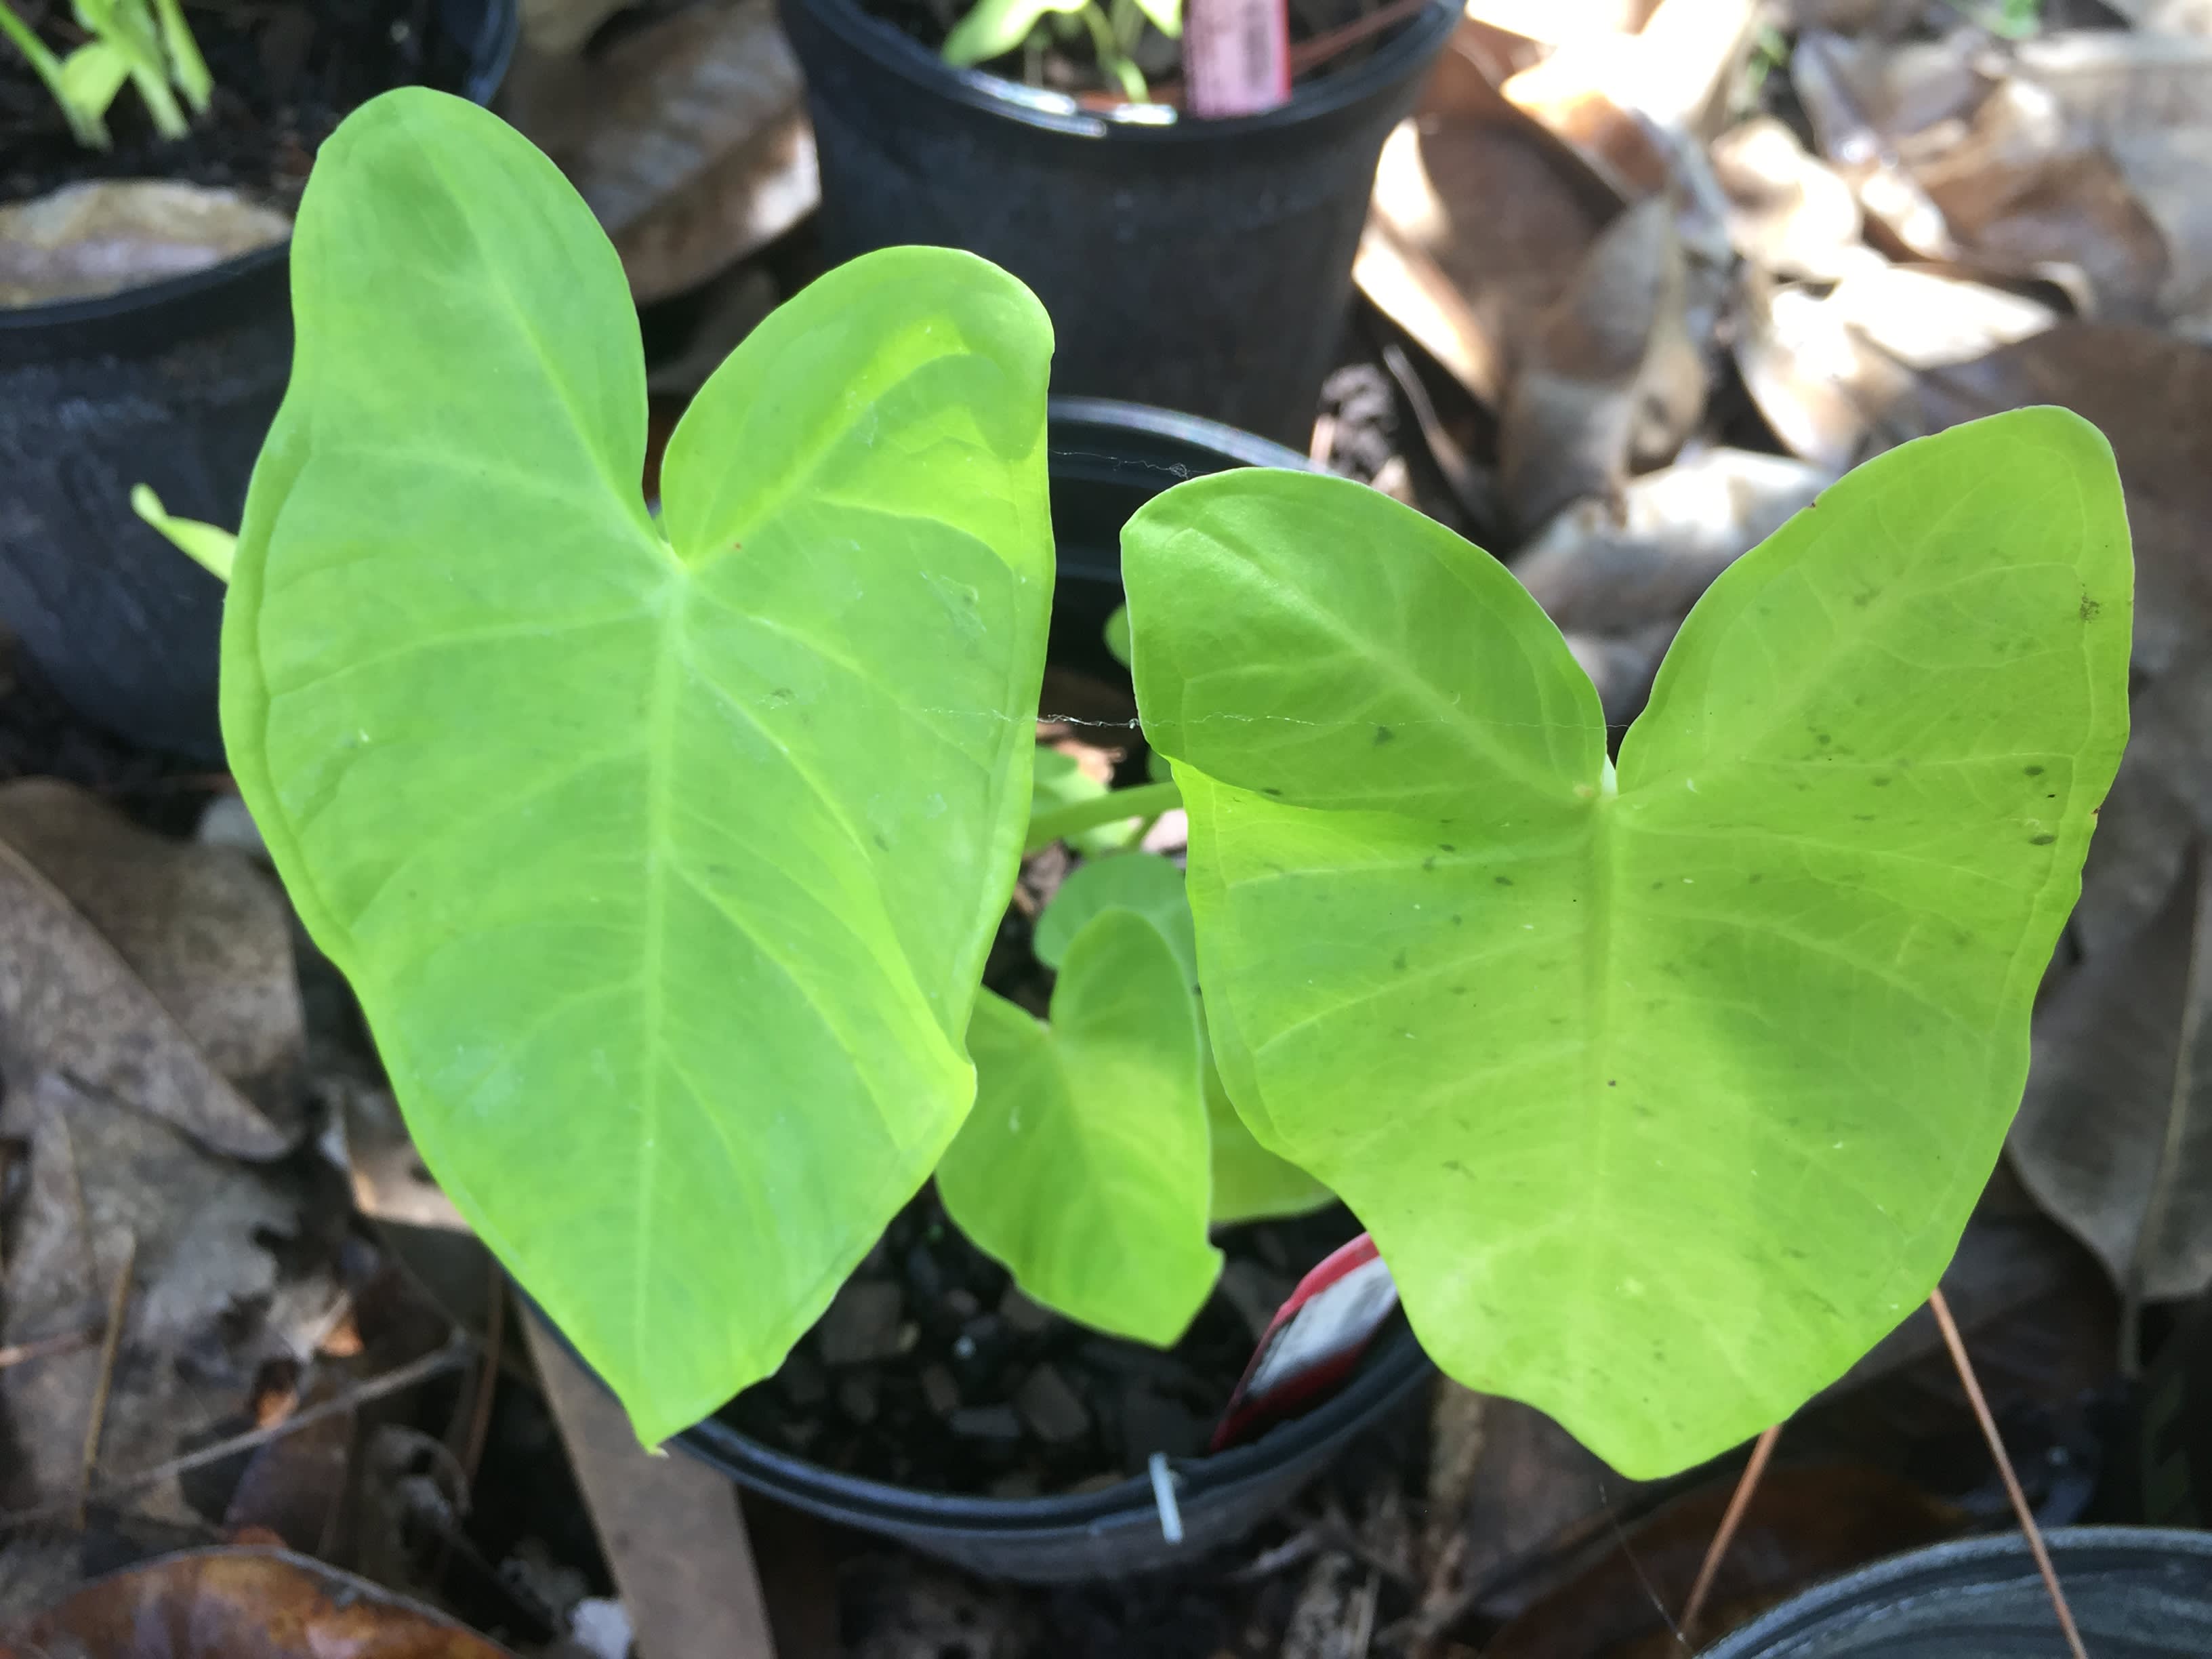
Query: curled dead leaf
<point x="244" y="1604"/>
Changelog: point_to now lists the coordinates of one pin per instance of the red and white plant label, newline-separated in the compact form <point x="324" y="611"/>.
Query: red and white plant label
<point x="1235" y="57"/>
<point x="1312" y="1343"/>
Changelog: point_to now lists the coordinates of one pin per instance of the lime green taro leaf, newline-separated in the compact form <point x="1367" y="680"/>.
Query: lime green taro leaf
<point x="1664" y="1096"/>
<point x="1084" y="1166"/>
<point x="1250" y="1182"/>
<point x="664" y="865"/>
<point x="1143" y="883"/>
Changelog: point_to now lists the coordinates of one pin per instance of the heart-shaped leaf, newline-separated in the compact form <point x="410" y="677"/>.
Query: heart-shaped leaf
<point x="1665" y="1093"/>
<point x="1250" y="1182"/>
<point x="663" y="857"/>
<point x="1084" y="1166"/>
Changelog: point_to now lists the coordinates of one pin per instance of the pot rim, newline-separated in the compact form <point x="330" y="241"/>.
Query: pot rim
<point x="1935" y="1570"/>
<point x="890" y="49"/>
<point x="489" y="56"/>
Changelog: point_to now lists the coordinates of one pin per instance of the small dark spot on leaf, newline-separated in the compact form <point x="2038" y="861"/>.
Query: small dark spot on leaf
<point x="1502" y="881"/>
<point x="1755" y="878"/>
<point x="1399" y="962"/>
<point x="1822" y="739"/>
<point x="1881" y="783"/>
<point x="1863" y="817"/>
<point x="1454" y="1166"/>
<point x="878" y="839"/>
<point x="1383" y="735"/>
<point x="1612" y="1082"/>
<point x="1459" y="990"/>
<point x="2089" y="609"/>
<point x="1457" y="920"/>
<point x="1446" y="847"/>
<point x="1265" y="791"/>
<point x="2030" y="771"/>
<point x="2041" y="841"/>
<point x="1656" y="885"/>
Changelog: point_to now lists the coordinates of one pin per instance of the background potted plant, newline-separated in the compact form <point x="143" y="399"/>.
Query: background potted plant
<point x="170" y="381"/>
<point x="1203" y="265"/>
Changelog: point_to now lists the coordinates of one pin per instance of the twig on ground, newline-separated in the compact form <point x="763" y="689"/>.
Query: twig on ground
<point x="63" y="1342"/>
<point x="117" y="1299"/>
<point x="1957" y="1345"/>
<point x="454" y="1354"/>
<point x="1731" y="1518"/>
<point x="472" y="1449"/>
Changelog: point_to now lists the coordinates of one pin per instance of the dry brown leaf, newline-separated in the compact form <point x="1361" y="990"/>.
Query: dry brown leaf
<point x="2023" y="192"/>
<point x="207" y="932"/>
<point x="1622" y="100"/>
<point x="208" y="1306"/>
<point x="1615" y="377"/>
<point x="1618" y="579"/>
<point x="2114" y="1137"/>
<point x="1787" y="213"/>
<point x="109" y="235"/>
<point x="194" y="981"/>
<point x="689" y="139"/>
<point x="1597" y="571"/>
<point x="1479" y="220"/>
<point x="2144" y="101"/>
<point x="244" y="1604"/>
<point x="1854" y="117"/>
<point x="1823" y="367"/>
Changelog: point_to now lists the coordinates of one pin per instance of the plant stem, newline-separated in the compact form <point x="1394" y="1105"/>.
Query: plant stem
<point x="1111" y="59"/>
<point x="1147" y="800"/>
<point x="1739" y="1503"/>
<point x="186" y="67"/>
<point x="1957" y="1345"/>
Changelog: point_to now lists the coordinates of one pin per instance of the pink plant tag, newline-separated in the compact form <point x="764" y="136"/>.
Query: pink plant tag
<point x="1312" y="1343"/>
<point x="1235" y="57"/>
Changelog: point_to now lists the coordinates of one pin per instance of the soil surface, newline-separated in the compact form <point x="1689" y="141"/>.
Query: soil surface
<point x="286" y="72"/>
<point x="931" y="1370"/>
<point x="1067" y="63"/>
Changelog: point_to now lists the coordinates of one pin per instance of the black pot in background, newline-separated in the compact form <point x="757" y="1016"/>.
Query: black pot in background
<point x="2136" y="1593"/>
<point x="173" y="385"/>
<point x="1199" y="265"/>
<point x="1108" y="459"/>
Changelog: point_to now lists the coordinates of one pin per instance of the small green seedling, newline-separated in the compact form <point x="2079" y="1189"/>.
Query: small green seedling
<point x="1664" y="1088"/>
<point x="995" y="27"/>
<point x="145" y="42"/>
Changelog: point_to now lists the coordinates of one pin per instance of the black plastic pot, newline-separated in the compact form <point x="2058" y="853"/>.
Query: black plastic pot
<point x="1108" y="459"/>
<point x="173" y="385"/>
<point x="2136" y="1594"/>
<point x="1199" y="265"/>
